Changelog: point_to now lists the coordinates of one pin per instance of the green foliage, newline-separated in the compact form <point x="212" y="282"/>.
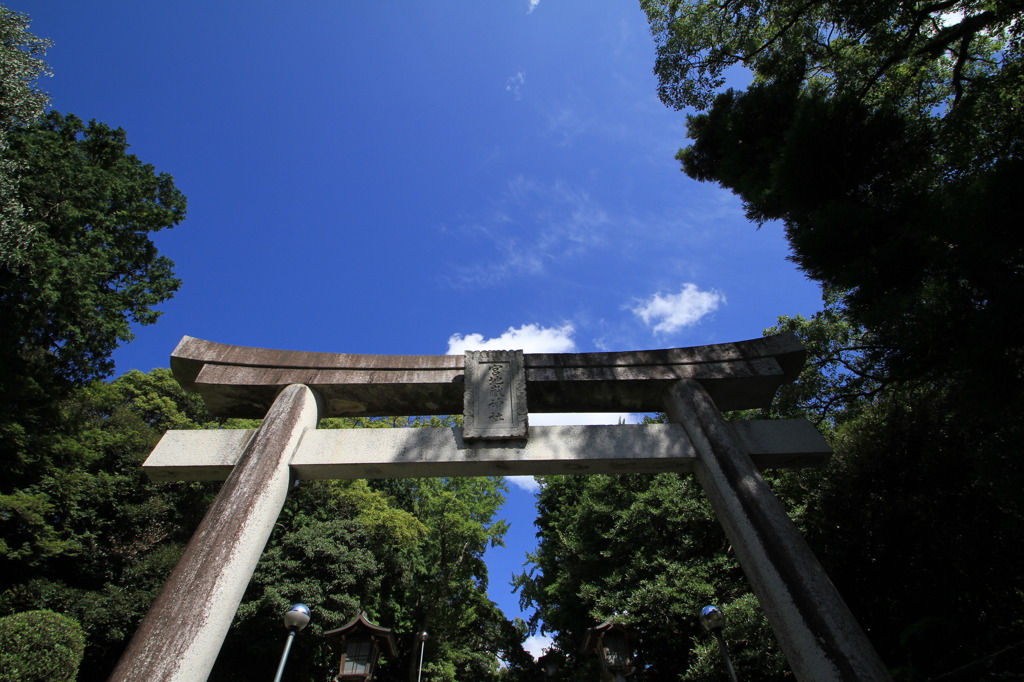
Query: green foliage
<point x="40" y="646"/>
<point x="88" y="273"/>
<point x="648" y="552"/>
<point x="93" y="206"/>
<point x="319" y="555"/>
<point x="83" y="532"/>
<point x="92" y="537"/>
<point x="913" y="517"/>
<point x="916" y="521"/>
<point x="924" y="56"/>
<point x="412" y="569"/>
<point x="21" y="65"/>
<point x="839" y="378"/>
<point x="445" y="593"/>
<point x="21" y="103"/>
<point x="748" y="635"/>
<point x="928" y="256"/>
<point x="110" y="537"/>
<point x="645" y="551"/>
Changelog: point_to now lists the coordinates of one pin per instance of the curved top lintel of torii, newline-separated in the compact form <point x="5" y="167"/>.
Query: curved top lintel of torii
<point x="239" y="381"/>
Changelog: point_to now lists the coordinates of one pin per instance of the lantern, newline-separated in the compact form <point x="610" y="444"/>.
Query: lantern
<point x="549" y="663"/>
<point x="360" y="643"/>
<point x="613" y="644"/>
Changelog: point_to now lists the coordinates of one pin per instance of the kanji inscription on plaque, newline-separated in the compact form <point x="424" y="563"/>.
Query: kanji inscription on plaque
<point x="495" y="404"/>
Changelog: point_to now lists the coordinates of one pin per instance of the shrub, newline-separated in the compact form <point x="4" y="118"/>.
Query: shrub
<point x="40" y="645"/>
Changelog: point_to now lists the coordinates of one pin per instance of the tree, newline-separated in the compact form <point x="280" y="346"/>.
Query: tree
<point x="407" y="551"/>
<point x="887" y="138"/>
<point x="648" y="551"/>
<point x="645" y="551"/>
<point x="82" y="531"/>
<point x="94" y="207"/>
<point x="912" y="517"/>
<point x="915" y="520"/>
<point x="919" y="55"/>
<point x="447" y="593"/>
<point x="343" y="547"/>
<point x="21" y="65"/>
<point x="21" y="103"/>
<point x="338" y="546"/>
<point x="88" y="273"/>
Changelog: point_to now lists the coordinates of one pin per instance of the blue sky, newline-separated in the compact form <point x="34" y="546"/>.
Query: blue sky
<point x="418" y="178"/>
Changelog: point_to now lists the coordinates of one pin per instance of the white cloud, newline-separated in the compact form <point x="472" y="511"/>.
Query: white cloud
<point x="948" y="18"/>
<point x="537" y="644"/>
<point x="533" y="6"/>
<point x="530" y="338"/>
<point x="672" y="312"/>
<point x="527" y="483"/>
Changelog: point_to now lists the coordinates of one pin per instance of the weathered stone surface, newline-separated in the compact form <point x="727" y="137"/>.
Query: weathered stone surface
<point x="495" y="395"/>
<point x="196" y="455"/>
<point x="411" y="453"/>
<point x="819" y="636"/>
<point x="238" y="381"/>
<point x="182" y="634"/>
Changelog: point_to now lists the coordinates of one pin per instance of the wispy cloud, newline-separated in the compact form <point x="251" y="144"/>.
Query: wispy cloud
<point x="533" y="225"/>
<point x="671" y="312"/>
<point x="533" y="6"/>
<point x="564" y="122"/>
<point x="515" y="85"/>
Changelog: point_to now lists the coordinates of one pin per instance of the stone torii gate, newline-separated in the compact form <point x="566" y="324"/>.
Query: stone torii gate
<point x="181" y="635"/>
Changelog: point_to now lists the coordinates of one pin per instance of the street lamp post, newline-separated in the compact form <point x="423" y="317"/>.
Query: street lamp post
<point x="714" y="622"/>
<point x="295" y="618"/>
<point x="423" y="645"/>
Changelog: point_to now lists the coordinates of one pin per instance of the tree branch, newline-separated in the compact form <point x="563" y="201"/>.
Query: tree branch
<point x="966" y="29"/>
<point x="782" y="31"/>
<point x="958" y="68"/>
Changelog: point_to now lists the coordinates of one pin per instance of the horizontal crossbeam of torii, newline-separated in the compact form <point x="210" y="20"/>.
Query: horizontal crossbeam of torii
<point x="291" y="391"/>
<point x="236" y="381"/>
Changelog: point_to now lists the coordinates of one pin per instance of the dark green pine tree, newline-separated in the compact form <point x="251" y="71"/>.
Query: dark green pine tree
<point x="89" y="271"/>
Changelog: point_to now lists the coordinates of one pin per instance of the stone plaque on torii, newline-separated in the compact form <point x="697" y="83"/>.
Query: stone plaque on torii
<point x="494" y="390"/>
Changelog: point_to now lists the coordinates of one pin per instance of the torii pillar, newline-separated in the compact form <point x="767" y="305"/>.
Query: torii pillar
<point x="292" y="390"/>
